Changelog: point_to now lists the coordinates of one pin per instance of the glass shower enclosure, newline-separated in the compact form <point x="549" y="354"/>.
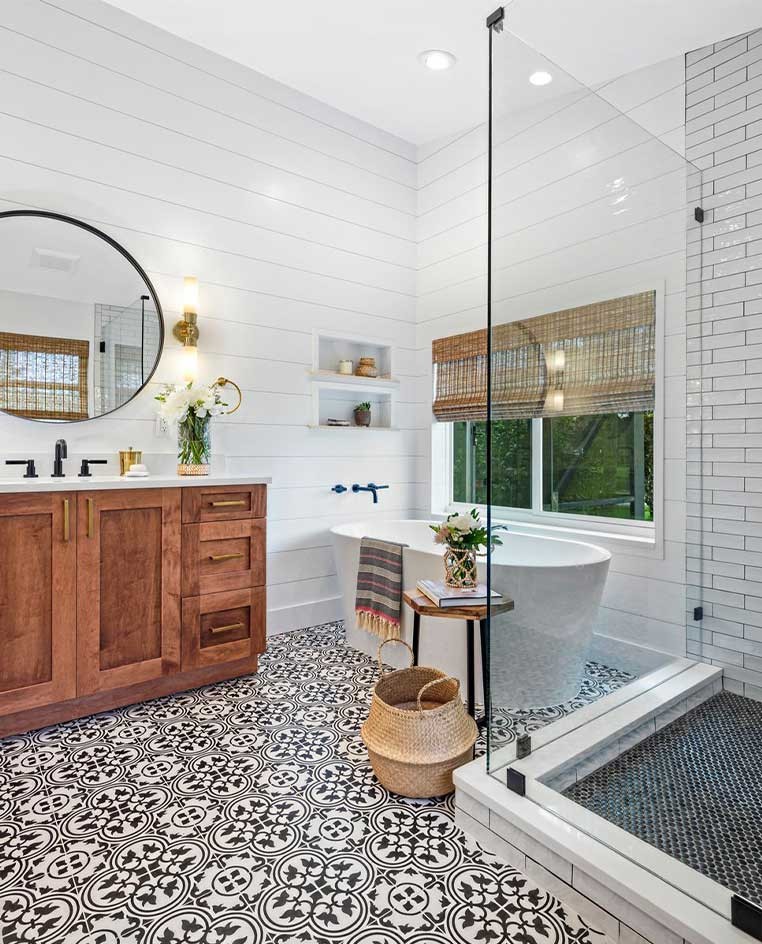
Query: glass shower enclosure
<point x="594" y="321"/>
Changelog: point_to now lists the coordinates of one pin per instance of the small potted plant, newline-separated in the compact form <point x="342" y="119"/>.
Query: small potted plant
<point x="362" y="414"/>
<point x="462" y="535"/>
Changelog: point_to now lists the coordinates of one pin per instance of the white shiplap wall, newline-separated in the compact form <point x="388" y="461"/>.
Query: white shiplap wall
<point x="562" y="245"/>
<point x="724" y="137"/>
<point x="292" y="215"/>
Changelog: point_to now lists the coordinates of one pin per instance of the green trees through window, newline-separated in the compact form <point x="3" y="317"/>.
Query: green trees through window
<point x="599" y="465"/>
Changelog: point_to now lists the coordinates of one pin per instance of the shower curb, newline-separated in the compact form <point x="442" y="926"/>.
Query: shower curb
<point x="632" y="898"/>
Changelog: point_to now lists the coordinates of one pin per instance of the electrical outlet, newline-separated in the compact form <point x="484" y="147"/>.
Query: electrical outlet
<point x="161" y="427"/>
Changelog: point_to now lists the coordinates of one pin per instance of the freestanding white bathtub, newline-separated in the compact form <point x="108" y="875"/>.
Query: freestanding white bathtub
<point x="538" y="651"/>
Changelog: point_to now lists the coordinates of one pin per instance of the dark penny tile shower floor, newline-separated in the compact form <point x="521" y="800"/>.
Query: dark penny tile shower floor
<point x="246" y="813"/>
<point x="693" y="790"/>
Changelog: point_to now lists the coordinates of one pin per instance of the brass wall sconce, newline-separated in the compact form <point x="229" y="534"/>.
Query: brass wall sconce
<point x="186" y="331"/>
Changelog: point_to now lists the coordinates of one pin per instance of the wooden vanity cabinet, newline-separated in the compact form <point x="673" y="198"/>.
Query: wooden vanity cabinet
<point x="113" y="596"/>
<point x="128" y="587"/>
<point x="38" y="604"/>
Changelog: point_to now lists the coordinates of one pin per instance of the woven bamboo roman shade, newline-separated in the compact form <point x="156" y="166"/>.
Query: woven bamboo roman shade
<point x="43" y="378"/>
<point x="597" y="358"/>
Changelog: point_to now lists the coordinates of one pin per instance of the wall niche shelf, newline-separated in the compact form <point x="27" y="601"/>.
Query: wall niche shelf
<point x="352" y="380"/>
<point x="366" y="429"/>
<point x="335" y="395"/>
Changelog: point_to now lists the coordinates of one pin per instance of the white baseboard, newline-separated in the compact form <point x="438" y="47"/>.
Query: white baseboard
<point x="287" y="618"/>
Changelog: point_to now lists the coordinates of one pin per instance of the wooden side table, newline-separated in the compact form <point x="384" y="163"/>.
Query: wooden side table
<point x="421" y="605"/>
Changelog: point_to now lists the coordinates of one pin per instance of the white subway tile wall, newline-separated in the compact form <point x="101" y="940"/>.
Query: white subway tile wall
<point x="724" y="400"/>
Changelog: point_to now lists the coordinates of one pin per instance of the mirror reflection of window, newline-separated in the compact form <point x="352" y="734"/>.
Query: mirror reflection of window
<point x="43" y="377"/>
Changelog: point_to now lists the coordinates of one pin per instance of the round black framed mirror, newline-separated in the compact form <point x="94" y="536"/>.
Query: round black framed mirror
<point x="81" y="325"/>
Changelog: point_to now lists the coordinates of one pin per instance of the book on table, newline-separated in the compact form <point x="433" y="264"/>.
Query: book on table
<point x="443" y="596"/>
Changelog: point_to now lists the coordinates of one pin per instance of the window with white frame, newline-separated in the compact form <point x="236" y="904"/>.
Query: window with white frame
<point x="572" y="409"/>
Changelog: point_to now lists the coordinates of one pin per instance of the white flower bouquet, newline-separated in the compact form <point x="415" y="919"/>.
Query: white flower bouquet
<point x="463" y="531"/>
<point x="190" y="408"/>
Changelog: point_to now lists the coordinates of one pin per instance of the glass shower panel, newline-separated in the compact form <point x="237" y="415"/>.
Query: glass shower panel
<point x="588" y="216"/>
<point x="592" y="228"/>
<point x="126" y="347"/>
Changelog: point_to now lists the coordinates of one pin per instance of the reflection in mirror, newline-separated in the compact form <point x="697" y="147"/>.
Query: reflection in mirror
<point x="81" y="330"/>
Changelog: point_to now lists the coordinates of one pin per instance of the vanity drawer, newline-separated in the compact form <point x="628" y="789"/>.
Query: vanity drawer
<point x="223" y="555"/>
<point x="224" y="502"/>
<point x="223" y="627"/>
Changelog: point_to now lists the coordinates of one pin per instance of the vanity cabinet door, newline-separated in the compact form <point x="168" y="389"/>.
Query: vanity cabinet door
<point x="38" y="568"/>
<point x="128" y="587"/>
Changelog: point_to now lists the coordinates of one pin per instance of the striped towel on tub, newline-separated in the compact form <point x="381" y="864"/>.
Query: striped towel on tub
<point x="379" y="588"/>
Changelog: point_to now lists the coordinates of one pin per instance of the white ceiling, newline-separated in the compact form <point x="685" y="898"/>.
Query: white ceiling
<point x="361" y="57"/>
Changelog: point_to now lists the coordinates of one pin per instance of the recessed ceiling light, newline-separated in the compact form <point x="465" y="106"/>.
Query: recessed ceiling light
<point x="541" y="78"/>
<point x="437" y="59"/>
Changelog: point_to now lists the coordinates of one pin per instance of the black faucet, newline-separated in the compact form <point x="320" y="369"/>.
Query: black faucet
<point x="370" y="487"/>
<point x="61" y="453"/>
<point x="31" y="472"/>
<point x="84" y="469"/>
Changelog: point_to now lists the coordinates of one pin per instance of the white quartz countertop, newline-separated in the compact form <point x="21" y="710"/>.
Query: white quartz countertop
<point x="72" y="482"/>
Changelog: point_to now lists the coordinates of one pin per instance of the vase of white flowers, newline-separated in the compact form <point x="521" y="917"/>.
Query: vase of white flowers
<point x="191" y="408"/>
<point x="462" y="535"/>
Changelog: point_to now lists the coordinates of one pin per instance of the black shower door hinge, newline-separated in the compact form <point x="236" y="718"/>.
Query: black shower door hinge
<point x="746" y="916"/>
<point x="698" y="214"/>
<point x="523" y="746"/>
<point x="698" y="614"/>
<point x="516" y="781"/>
<point x="495" y="19"/>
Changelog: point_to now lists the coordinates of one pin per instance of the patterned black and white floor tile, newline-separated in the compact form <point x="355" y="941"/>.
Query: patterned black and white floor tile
<point x="247" y="813"/>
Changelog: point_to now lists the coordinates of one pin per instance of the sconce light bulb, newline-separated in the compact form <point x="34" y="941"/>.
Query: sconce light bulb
<point x="556" y="401"/>
<point x="190" y="294"/>
<point x="558" y="360"/>
<point x="189" y="362"/>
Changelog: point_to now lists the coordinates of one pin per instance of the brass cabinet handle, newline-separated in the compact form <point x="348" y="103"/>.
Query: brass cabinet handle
<point x="227" y="504"/>
<point x="224" y="557"/>
<point x="90" y="517"/>
<point x="224" y="629"/>
<point x="67" y="527"/>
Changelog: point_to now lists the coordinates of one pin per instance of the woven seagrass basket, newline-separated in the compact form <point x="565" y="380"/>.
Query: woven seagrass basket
<point x="418" y="730"/>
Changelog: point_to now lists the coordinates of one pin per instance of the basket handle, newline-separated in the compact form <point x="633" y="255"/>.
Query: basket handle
<point x="447" y="678"/>
<point x="394" y="639"/>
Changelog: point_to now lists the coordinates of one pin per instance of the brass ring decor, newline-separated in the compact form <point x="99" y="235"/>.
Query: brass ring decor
<point x="223" y="382"/>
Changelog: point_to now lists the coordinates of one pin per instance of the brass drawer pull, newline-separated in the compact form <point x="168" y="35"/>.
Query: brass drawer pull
<point x="227" y="504"/>
<point x="67" y="528"/>
<point x="90" y="517"/>
<point x="224" y="557"/>
<point x="225" y="629"/>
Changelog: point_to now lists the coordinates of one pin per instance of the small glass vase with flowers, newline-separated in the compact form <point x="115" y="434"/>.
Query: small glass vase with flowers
<point x="190" y="409"/>
<point x="463" y="534"/>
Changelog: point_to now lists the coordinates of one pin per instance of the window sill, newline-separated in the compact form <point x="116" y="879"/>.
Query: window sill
<point x="632" y="537"/>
